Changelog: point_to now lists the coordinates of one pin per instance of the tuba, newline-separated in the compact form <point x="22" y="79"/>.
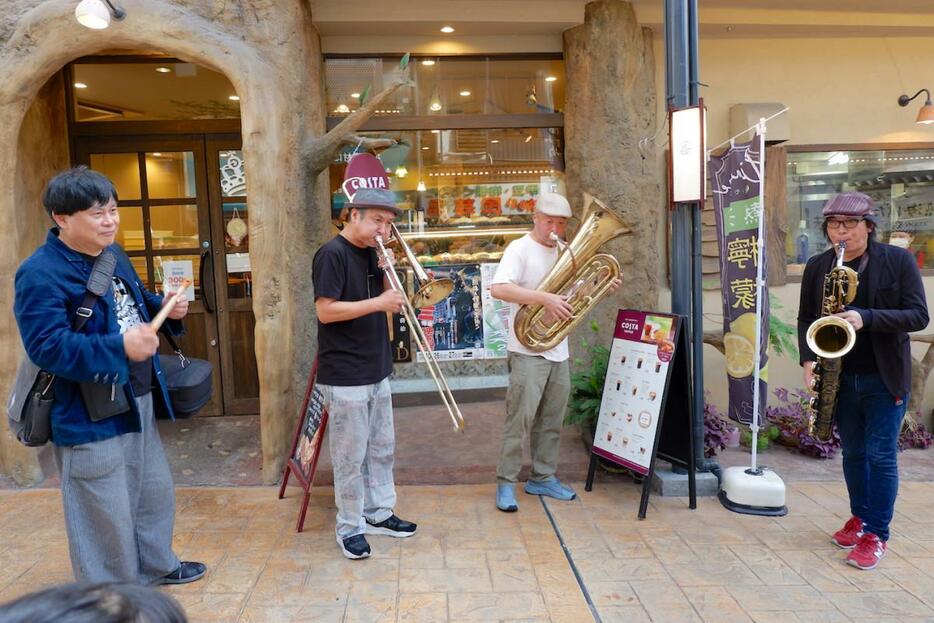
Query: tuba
<point x="830" y="338"/>
<point x="581" y="274"/>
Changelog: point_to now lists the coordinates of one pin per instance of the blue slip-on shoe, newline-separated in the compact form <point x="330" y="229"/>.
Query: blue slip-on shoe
<point x="506" y="498"/>
<point x="551" y="487"/>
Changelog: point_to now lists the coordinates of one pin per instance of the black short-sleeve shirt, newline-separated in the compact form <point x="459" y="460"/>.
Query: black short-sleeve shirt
<point x="352" y="352"/>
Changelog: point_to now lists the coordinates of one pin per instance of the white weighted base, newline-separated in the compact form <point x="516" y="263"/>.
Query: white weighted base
<point x="753" y="493"/>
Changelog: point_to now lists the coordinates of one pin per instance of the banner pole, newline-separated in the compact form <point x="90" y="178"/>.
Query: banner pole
<point x="760" y="290"/>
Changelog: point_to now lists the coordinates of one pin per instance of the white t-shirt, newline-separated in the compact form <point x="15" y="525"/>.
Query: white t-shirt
<point x="526" y="263"/>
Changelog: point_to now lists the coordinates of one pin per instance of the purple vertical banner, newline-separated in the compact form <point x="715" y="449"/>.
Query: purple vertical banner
<point x="736" y="178"/>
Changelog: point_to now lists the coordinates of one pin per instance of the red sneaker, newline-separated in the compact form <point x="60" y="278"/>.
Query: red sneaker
<point x="867" y="553"/>
<point x="849" y="535"/>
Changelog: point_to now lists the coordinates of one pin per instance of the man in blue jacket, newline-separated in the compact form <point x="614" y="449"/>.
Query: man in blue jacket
<point x="117" y="491"/>
<point x="876" y="376"/>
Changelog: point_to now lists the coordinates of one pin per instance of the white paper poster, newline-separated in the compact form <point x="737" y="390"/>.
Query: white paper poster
<point x="174" y="272"/>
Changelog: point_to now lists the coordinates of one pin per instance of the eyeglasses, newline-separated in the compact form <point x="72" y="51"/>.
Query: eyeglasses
<point x="849" y="223"/>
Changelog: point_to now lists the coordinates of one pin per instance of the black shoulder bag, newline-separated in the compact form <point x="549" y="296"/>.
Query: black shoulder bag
<point x="29" y="409"/>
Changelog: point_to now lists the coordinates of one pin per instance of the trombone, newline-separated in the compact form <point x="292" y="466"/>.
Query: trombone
<point x="432" y="291"/>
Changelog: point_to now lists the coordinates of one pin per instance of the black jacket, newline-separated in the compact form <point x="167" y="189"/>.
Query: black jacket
<point x="896" y="306"/>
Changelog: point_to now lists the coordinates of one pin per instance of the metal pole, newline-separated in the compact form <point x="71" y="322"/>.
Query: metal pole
<point x="681" y="78"/>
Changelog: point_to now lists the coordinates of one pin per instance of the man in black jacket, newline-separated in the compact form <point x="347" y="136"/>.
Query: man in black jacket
<point x="876" y="377"/>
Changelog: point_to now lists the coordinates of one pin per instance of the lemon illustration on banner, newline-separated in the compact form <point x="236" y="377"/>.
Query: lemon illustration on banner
<point x="740" y="355"/>
<point x="740" y="349"/>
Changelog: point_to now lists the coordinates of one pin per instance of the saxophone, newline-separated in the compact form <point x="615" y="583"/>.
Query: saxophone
<point x="581" y="274"/>
<point x="830" y="338"/>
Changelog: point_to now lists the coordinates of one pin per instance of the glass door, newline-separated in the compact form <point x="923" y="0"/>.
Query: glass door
<point x="230" y="265"/>
<point x="165" y="227"/>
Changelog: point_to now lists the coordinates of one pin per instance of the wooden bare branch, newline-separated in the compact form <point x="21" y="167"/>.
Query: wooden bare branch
<point x="319" y="152"/>
<point x="715" y="339"/>
<point x="367" y="142"/>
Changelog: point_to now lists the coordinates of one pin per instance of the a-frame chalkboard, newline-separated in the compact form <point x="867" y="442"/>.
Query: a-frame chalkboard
<point x="306" y="444"/>
<point x="646" y="408"/>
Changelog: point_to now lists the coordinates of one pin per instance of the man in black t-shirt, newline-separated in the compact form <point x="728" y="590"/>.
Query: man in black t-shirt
<point x="876" y="373"/>
<point x="352" y="299"/>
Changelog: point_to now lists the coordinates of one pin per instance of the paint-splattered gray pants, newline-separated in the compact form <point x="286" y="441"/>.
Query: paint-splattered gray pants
<point x="362" y="444"/>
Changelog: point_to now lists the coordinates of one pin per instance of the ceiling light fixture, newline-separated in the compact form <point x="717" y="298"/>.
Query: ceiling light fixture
<point x="447" y="29"/>
<point x="233" y="98"/>
<point x="163" y="70"/>
<point x="428" y="62"/>
<point x="342" y="109"/>
<point x="80" y="85"/>
<point x="551" y="78"/>
<point x="434" y="104"/>
<point x="355" y="95"/>
<point x="96" y="14"/>
<point x="421" y="187"/>
<point x="401" y="171"/>
<point x="495" y="141"/>
<point x="926" y="114"/>
<point x="465" y="93"/>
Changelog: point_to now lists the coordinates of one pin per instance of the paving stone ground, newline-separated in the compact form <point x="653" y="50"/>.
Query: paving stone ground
<point x="470" y="562"/>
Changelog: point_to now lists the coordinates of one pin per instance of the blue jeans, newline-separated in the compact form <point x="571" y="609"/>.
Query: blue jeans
<point x="868" y="420"/>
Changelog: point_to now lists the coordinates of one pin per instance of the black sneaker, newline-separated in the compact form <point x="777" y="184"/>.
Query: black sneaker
<point x="391" y="526"/>
<point x="185" y="572"/>
<point x="355" y="547"/>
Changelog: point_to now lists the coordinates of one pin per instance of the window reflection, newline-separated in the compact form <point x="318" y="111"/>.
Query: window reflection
<point x="130" y="234"/>
<point x="123" y="171"/>
<point x="174" y="227"/>
<point x="900" y="181"/>
<point x="449" y="85"/>
<point x="170" y="175"/>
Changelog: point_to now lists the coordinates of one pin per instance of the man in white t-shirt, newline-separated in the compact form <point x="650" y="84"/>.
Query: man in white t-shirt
<point x="539" y="382"/>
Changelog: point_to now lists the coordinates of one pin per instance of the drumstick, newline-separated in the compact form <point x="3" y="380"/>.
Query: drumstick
<point x="168" y="305"/>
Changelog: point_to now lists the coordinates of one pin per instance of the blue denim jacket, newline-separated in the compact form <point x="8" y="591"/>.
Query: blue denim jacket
<point x="50" y="286"/>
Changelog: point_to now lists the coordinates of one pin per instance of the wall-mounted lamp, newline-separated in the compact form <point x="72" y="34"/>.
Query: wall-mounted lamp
<point x="926" y="114"/>
<point x="96" y="14"/>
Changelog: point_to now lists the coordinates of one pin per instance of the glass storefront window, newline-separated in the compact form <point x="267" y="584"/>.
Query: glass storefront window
<point x="156" y="90"/>
<point x="130" y="234"/>
<point x="449" y="85"/>
<point x="900" y="181"/>
<point x="464" y="193"/>
<point x="195" y="266"/>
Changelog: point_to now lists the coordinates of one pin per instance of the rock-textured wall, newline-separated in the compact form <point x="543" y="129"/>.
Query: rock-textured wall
<point x="610" y="106"/>
<point x="43" y="147"/>
<point x="270" y="52"/>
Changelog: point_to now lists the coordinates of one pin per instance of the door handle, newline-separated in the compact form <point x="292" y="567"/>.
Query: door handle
<point x="205" y="256"/>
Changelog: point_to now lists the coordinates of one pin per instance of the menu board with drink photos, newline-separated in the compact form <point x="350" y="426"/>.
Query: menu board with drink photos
<point x="636" y="380"/>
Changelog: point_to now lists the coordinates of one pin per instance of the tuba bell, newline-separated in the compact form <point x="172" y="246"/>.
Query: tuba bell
<point x="830" y="338"/>
<point x="581" y="274"/>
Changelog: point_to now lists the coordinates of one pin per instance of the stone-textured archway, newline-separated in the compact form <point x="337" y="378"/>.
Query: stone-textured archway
<point x="270" y="52"/>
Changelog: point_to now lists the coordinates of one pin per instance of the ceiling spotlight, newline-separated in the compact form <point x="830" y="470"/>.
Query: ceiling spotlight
<point x="425" y="148"/>
<point x="926" y="114"/>
<point x="80" y="85"/>
<point x="447" y="29"/>
<point x="401" y="171"/>
<point x="550" y="78"/>
<point x="528" y="138"/>
<point x="355" y="95"/>
<point x="163" y="69"/>
<point x="96" y="14"/>
<point x="465" y="93"/>
<point x="342" y="109"/>
<point x="156" y="154"/>
<point x="434" y="104"/>
<point x="435" y="131"/>
<point x="495" y="141"/>
<point x="428" y="62"/>
<point x="233" y="98"/>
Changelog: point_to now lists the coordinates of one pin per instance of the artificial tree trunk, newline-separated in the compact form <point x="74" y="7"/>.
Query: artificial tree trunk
<point x="270" y="52"/>
<point x="609" y="107"/>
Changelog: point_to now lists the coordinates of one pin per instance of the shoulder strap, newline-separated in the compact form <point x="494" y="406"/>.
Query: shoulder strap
<point x="98" y="283"/>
